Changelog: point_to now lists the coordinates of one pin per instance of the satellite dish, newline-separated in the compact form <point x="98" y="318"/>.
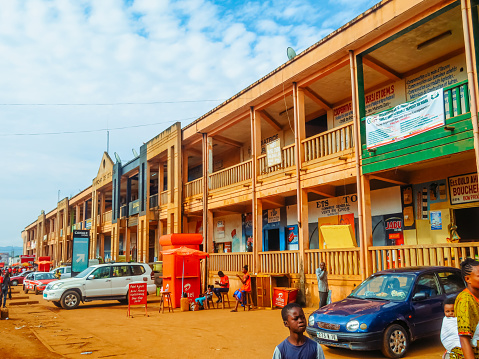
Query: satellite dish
<point x="291" y="53"/>
<point x="134" y="152"/>
<point x="118" y="159"/>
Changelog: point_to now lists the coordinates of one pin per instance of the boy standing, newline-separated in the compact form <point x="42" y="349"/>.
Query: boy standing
<point x="297" y="345"/>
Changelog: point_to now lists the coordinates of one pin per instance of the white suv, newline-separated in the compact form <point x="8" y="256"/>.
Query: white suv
<point x="99" y="282"/>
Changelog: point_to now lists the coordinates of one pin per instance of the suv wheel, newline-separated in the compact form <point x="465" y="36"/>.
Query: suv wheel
<point x="57" y="304"/>
<point x="395" y="341"/>
<point x="70" y="300"/>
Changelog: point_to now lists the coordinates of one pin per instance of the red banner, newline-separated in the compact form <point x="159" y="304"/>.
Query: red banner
<point x="137" y="293"/>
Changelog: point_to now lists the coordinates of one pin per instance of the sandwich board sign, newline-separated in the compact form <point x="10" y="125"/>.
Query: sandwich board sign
<point x="80" y="250"/>
<point x="137" y="293"/>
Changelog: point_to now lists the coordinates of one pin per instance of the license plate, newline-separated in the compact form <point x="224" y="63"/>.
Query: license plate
<point x="327" y="336"/>
<point x="44" y="295"/>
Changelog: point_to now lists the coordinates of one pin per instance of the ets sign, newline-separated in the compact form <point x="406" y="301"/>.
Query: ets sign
<point x="81" y="248"/>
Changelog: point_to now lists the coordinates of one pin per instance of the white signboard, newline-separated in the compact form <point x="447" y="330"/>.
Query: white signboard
<point x="273" y="215"/>
<point x="273" y="153"/>
<point x="464" y="189"/>
<point x="375" y="102"/>
<point x="406" y="120"/>
<point x="337" y="205"/>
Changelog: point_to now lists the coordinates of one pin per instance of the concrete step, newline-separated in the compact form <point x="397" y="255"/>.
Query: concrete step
<point x="15" y="297"/>
<point x="23" y="302"/>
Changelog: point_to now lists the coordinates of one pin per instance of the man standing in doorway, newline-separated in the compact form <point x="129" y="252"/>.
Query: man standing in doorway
<point x="322" y="275"/>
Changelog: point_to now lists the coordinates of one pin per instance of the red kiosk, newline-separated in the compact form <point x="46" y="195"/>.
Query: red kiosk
<point x="173" y="267"/>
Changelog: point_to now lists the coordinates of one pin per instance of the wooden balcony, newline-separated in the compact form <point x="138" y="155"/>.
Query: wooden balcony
<point x="231" y="175"/>
<point x="164" y="198"/>
<point x="106" y="217"/>
<point x="287" y="160"/>
<point x="232" y="262"/>
<point x="329" y="142"/>
<point x="344" y="261"/>
<point x="447" y="254"/>
<point x="194" y="188"/>
<point x="282" y="262"/>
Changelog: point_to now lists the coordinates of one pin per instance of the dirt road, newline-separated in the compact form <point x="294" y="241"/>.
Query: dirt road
<point x="102" y="330"/>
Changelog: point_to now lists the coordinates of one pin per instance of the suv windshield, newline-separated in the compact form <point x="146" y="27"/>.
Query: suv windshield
<point x="85" y="272"/>
<point x="395" y="287"/>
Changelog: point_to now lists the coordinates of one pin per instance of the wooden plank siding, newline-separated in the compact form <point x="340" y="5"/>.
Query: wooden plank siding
<point x="428" y="145"/>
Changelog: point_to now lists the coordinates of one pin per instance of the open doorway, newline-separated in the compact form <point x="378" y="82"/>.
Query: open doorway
<point x="273" y="239"/>
<point x="467" y="222"/>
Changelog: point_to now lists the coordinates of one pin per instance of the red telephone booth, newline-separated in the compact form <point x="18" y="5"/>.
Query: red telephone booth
<point x="44" y="264"/>
<point x="173" y="265"/>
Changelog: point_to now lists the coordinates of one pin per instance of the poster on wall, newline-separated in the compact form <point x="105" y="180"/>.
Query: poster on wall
<point x="292" y="242"/>
<point x="463" y="189"/>
<point x="406" y="120"/>
<point x="273" y="153"/>
<point x="393" y="226"/>
<point x="343" y="219"/>
<point x="375" y="102"/>
<point x="274" y="215"/>
<point x="408" y="207"/>
<point x="436" y="221"/>
<point x="247" y="221"/>
<point x="220" y="229"/>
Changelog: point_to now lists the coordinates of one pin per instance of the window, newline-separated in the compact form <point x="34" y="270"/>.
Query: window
<point x="121" y="271"/>
<point x="451" y="282"/>
<point x="137" y="270"/>
<point x="101" y="273"/>
<point x="427" y="284"/>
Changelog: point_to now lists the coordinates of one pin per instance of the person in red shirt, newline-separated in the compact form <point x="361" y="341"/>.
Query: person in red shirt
<point x="224" y="285"/>
<point x="240" y="295"/>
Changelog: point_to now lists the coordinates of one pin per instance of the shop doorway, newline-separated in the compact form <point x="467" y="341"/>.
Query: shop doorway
<point x="467" y="224"/>
<point x="273" y="239"/>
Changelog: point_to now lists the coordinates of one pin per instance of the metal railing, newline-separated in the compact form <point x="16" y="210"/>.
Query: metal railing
<point x="154" y="201"/>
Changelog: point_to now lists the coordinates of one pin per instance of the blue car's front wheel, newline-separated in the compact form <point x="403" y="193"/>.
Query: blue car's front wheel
<point x="395" y="342"/>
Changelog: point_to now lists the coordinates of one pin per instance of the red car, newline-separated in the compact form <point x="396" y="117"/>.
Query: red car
<point x="18" y="279"/>
<point x="37" y="281"/>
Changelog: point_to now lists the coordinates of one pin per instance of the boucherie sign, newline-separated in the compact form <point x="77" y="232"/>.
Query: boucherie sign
<point x="464" y="188"/>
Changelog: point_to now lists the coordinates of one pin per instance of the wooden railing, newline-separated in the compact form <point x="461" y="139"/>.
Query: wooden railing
<point x="456" y="99"/>
<point x="232" y="262"/>
<point x="287" y="160"/>
<point x="326" y="143"/>
<point x="164" y="198"/>
<point x="343" y="261"/>
<point x="234" y="174"/>
<point x="106" y="217"/>
<point x="444" y="254"/>
<point x="279" y="262"/>
<point x="194" y="187"/>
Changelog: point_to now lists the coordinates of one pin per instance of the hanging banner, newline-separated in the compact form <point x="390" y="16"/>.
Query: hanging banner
<point x="406" y="120"/>
<point x="463" y="189"/>
<point x="81" y="247"/>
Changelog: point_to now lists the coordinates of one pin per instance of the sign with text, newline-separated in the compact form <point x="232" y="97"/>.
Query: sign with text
<point x="337" y="205"/>
<point x="463" y="189"/>
<point x="137" y="293"/>
<point x="406" y="120"/>
<point x="274" y="215"/>
<point x="80" y="250"/>
<point x="273" y="153"/>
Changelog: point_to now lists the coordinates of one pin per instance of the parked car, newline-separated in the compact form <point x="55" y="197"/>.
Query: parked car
<point x="65" y="271"/>
<point x="107" y="281"/>
<point x="18" y="279"/>
<point x="37" y="281"/>
<point x="388" y="310"/>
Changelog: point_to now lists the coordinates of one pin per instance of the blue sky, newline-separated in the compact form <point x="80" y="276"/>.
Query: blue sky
<point x="70" y="69"/>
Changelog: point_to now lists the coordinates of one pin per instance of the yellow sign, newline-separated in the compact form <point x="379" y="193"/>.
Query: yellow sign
<point x="338" y="236"/>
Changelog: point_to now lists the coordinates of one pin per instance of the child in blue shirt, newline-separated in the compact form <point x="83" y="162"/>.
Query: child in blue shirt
<point x="297" y="345"/>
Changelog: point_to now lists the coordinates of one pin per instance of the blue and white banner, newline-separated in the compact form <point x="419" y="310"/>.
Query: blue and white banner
<point x="406" y="120"/>
<point x="81" y="247"/>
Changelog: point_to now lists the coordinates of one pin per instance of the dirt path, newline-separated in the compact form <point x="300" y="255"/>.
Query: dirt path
<point x="102" y="330"/>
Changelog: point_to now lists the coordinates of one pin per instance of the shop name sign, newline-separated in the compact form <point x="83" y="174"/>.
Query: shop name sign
<point x="337" y="205"/>
<point x="406" y="120"/>
<point x="464" y="189"/>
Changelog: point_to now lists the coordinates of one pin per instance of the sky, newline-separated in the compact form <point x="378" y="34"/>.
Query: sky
<point x="72" y="69"/>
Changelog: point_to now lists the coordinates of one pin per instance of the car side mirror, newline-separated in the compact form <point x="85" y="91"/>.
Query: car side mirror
<point x="419" y="296"/>
<point x="91" y="277"/>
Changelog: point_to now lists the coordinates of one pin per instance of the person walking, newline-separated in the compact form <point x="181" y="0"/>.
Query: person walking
<point x="5" y="287"/>
<point x="322" y="275"/>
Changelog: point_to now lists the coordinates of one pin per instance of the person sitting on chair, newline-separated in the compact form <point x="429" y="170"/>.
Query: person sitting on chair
<point x="240" y="295"/>
<point x="224" y="284"/>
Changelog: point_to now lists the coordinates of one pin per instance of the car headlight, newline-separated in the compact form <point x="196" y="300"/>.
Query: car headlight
<point x="311" y="321"/>
<point x="54" y="286"/>
<point x="352" y="326"/>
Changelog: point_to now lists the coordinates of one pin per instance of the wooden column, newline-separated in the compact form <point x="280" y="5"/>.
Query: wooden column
<point x="210" y="234"/>
<point x="255" y="120"/>
<point x="127" y="243"/>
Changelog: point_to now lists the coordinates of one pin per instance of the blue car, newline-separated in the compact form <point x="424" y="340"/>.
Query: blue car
<point x="388" y="310"/>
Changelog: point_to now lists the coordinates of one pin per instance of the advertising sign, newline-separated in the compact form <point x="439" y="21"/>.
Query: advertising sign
<point x="220" y="229"/>
<point x="393" y="226"/>
<point x="137" y="293"/>
<point x="273" y="215"/>
<point x="4" y="257"/>
<point x="463" y="189"/>
<point x="80" y="250"/>
<point x="292" y="237"/>
<point x="27" y="259"/>
<point x="337" y="205"/>
<point x="406" y="120"/>
<point x="273" y="153"/>
<point x="436" y="221"/>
